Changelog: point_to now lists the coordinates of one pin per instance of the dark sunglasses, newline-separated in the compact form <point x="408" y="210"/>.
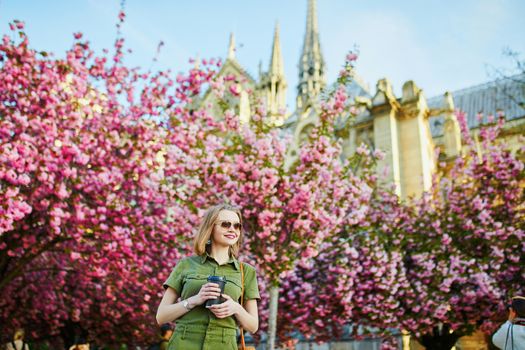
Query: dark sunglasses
<point x="228" y="224"/>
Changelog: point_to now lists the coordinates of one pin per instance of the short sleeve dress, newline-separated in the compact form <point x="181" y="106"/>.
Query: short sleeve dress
<point x="199" y="329"/>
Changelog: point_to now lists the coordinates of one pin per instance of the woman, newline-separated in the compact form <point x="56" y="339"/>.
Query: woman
<point x="216" y="247"/>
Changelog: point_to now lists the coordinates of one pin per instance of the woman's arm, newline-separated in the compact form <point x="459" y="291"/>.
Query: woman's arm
<point x="169" y="311"/>
<point x="248" y="316"/>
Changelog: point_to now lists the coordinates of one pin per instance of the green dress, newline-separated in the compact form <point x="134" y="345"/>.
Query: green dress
<point x="199" y="329"/>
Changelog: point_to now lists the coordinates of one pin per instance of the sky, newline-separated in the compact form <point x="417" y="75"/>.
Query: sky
<point x="443" y="45"/>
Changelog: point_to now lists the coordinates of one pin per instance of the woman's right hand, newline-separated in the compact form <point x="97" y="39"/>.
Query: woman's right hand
<point x="208" y="291"/>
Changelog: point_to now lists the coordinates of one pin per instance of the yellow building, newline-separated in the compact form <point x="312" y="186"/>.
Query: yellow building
<point x="407" y="128"/>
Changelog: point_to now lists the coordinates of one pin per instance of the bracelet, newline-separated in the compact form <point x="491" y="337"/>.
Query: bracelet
<point x="186" y="304"/>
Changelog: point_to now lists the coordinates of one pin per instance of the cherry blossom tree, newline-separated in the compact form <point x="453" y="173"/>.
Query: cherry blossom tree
<point x="439" y="267"/>
<point x="464" y="247"/>
<point x="86" y="222"/>
<point x="351" y="284"/>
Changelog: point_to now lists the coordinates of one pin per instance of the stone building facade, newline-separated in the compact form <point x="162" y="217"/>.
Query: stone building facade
<point x="407" y="128"/>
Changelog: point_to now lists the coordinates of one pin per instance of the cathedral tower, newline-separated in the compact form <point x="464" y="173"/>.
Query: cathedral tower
<point x="311" y="63"/>
<point x="273" y="83"/>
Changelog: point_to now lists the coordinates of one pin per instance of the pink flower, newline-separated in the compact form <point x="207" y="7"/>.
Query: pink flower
<point x="121" y="16"/>
<point x="351" y="56"/>
<point x="235" y="90"/>
<point x="362" y="149"/>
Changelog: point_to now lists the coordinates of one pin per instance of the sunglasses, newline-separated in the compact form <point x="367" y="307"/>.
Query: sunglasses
<point x="228" y="224"/>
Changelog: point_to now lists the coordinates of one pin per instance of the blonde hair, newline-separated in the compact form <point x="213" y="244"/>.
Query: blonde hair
<point x="206" y="229"/>
<point x="19" y="334"/>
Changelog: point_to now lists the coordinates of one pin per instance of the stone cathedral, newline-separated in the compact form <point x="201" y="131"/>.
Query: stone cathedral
<point x="407" y="128"/>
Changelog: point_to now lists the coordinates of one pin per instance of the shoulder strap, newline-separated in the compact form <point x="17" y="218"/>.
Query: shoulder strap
<point x="507" y="337"/>
<point x="243" y="345"/>
<point x="242" y="284"/>
<point x="13" y="344"/>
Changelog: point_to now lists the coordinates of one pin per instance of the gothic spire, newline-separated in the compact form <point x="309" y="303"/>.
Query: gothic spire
<point x="311" y="64"/>
<point x="273" y="83"/>
<point x="231" y="48"/>
<point x="276" y="61"/>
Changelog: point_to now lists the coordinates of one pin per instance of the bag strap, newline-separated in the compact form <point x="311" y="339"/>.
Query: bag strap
<point x="509" y="330"/>
<point x="243" y="345"/>
<point x="16" y="347"/>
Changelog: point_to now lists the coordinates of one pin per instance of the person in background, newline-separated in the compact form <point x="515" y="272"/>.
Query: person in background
<point x="166" y="330"/>
<point x="80" y="344"/>
<point x="18" y="341"/>
<point x="84" y="346"/>
<point x="511" y="334"/>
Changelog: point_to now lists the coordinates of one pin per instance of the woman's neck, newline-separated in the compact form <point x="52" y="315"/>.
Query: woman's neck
<point x="220" y="254"/>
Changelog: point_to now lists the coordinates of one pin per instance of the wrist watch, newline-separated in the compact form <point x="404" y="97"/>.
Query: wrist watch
<point x="186" y="304"/>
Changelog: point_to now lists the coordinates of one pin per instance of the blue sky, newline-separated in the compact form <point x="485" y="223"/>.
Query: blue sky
<point x="441" y="45"/>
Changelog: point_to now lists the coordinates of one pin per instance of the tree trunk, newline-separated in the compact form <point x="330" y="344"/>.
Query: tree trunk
<point x="9" y="273"/>
<point x="439" y="339"/>
<point x="272" y="318"/>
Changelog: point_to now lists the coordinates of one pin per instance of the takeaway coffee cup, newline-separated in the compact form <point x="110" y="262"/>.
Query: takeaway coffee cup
<point x="221" y="281"/>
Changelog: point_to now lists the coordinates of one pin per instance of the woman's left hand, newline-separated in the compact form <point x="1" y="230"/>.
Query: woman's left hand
<point x="226" y="309"/>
